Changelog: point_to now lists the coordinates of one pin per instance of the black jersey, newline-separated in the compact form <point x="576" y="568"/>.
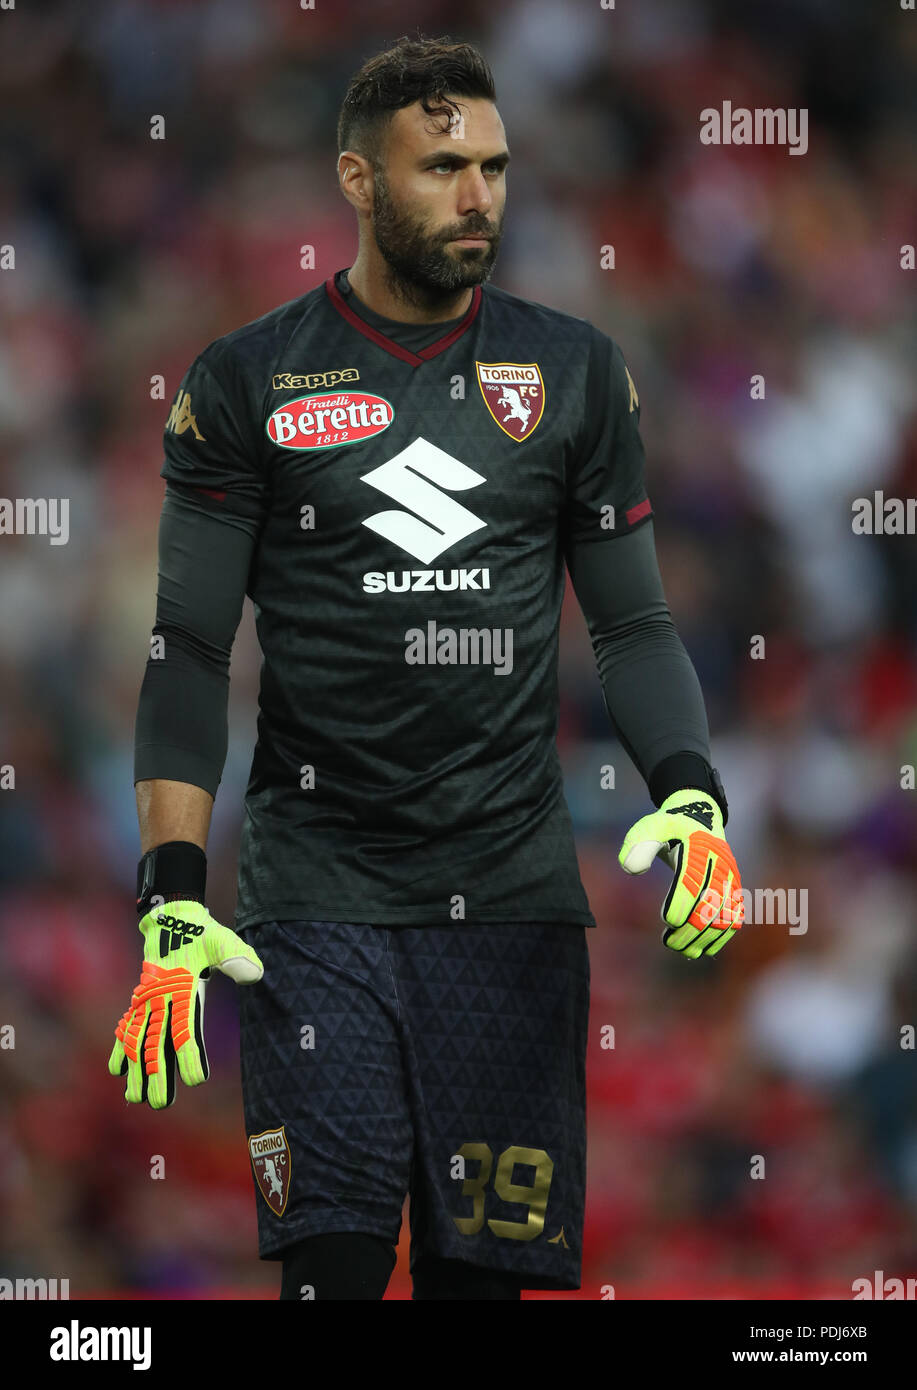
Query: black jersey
<point x="413" y="512"/>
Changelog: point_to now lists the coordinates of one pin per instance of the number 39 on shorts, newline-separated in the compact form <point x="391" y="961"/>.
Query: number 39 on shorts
<point x="534" y="1195"/>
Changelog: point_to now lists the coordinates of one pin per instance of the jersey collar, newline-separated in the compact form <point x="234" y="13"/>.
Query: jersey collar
<point x="396" y="349"/>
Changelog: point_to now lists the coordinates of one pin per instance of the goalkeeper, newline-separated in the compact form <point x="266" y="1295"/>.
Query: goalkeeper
<point x="408" y="889"/>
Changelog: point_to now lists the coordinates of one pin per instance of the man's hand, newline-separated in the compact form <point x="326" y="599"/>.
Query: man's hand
<point x="704" y="906"/>
<point x="165" y="1020"/>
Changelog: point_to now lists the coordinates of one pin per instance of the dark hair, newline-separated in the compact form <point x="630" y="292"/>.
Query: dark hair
<point x="409" y="70"/>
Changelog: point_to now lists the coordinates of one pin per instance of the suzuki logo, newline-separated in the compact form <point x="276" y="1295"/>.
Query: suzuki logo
<point x="404" y="479"/>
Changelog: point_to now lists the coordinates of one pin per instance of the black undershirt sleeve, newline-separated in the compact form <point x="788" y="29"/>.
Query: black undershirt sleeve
<point x="651" y="689"/>
<point x="205" y="552"/>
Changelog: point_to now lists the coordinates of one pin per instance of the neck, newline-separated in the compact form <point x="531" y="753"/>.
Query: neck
<point x="383" y="290"/>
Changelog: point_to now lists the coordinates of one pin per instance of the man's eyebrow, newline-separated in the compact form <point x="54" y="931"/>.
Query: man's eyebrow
<point x="452" y="156"/>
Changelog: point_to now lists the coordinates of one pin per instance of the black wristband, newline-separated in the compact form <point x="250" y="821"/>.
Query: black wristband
<point x="177" y="867"/>
<point x="682" y="770"/>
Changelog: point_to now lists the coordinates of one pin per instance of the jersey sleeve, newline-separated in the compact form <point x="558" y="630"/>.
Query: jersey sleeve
<point x="209" y="443"/>
<point x="606" y="484"/>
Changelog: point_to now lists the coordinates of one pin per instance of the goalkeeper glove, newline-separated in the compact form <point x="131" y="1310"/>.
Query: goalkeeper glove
<point x="164" y="1022"/>
<point x="704" y="907"/>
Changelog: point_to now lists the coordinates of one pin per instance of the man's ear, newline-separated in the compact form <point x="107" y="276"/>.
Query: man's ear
<point x="355" y="177"/>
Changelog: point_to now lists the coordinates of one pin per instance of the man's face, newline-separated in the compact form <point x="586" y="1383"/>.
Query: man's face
<point x="438" y="202"/>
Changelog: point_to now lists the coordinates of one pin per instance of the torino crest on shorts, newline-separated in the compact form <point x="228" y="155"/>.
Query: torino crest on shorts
<point x="514" y="394"/>
<point x="270" y="1155"/>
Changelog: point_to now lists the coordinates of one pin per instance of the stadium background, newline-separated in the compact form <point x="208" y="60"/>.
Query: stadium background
<point x="133" y="253"/>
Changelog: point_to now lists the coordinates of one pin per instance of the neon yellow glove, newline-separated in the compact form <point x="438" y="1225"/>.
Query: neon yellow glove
<point x="704" y="906"/>
<point x="165" y="1020"/>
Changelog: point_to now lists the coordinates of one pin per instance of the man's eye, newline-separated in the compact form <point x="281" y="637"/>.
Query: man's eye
<point x="448" y="167"/>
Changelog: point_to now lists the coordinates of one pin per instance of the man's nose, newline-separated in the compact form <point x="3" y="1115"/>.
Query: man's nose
<point x="474" y="192"/>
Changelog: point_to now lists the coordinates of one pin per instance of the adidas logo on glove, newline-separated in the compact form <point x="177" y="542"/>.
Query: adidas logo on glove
<point x="176" y="933"/>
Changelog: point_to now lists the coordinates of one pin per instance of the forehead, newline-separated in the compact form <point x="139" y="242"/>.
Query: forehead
<point x="478" y="129"/>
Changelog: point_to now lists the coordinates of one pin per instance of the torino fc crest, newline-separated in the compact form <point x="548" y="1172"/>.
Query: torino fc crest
<point x="514" y="394"/>
<point x="270" y="1155"/>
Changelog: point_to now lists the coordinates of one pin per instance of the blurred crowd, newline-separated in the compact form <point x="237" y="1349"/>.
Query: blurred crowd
<point x="131" y="254"/>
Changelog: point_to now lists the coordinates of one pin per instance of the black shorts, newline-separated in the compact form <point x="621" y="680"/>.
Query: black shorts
<point x="448" y="1063"/>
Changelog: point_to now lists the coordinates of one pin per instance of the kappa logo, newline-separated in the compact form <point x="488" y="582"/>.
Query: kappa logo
<point x="270" y="1155"/>
<point x="180" y="417"/>
<point x="433" y="522"/>
<point x="314" y="381"/>
<point x="514" y="394"/>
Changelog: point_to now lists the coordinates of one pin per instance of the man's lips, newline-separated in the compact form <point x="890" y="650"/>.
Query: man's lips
<point x="471" y="240"/>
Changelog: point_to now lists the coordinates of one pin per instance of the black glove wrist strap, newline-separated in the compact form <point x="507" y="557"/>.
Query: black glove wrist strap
<point x="177" y="868"/>
<point x="682" y="770"/>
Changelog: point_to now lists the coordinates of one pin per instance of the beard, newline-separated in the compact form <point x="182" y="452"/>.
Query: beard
<point x="422" y="270"/>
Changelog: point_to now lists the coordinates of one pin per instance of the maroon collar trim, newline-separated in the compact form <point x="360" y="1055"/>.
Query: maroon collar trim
<point x="415" y="358"/>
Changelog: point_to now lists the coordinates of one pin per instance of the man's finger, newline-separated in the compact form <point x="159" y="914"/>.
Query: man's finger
<point x="193" y="1066"/>
<point x="637" y="855"/>
<point x="134" y="1045"/>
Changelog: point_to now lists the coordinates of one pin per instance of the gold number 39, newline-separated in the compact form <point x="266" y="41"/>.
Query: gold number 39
<point x="534" y="1196"/>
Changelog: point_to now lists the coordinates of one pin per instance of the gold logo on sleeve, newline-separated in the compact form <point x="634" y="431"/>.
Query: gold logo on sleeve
<point x="180" y="417"/>
<point x="634" y="398"/>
